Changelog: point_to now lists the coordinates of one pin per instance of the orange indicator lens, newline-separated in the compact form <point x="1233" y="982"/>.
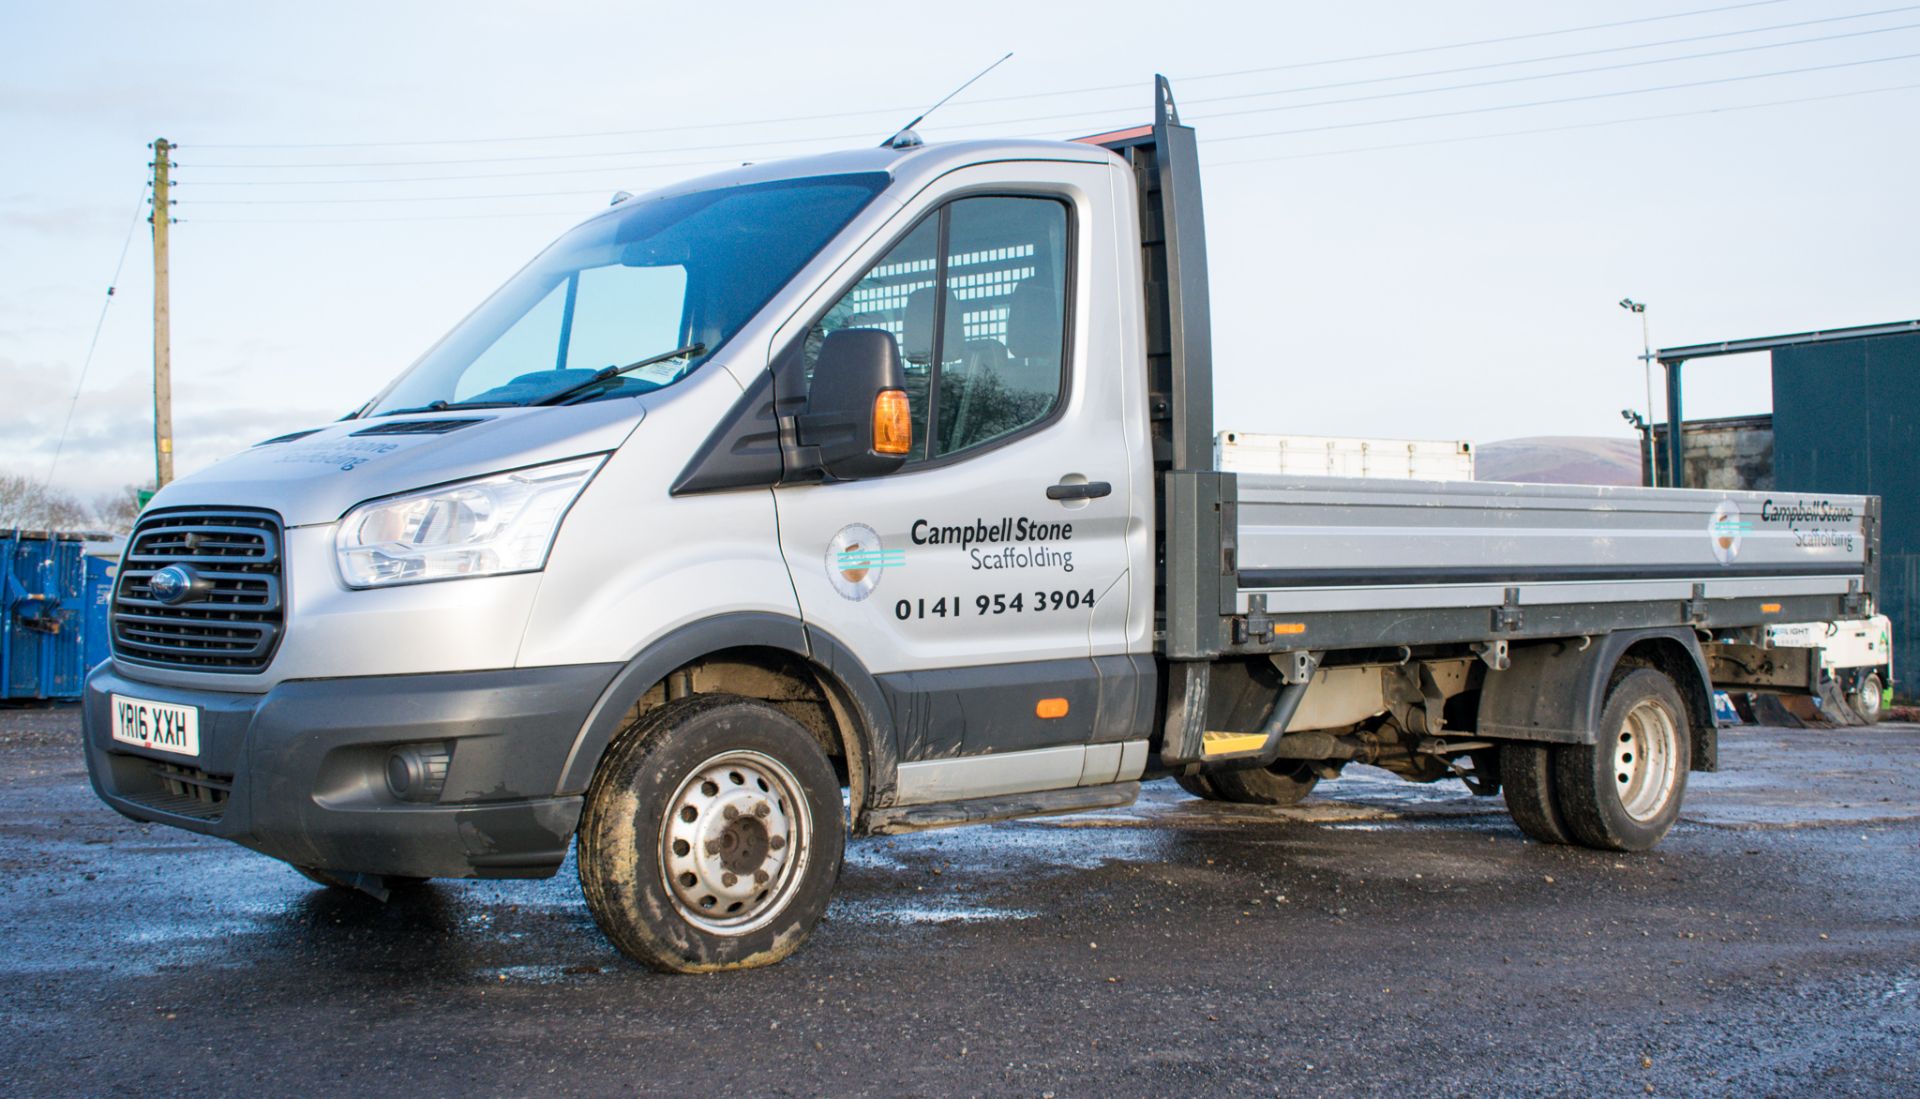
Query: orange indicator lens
<point x="892" y="423"/>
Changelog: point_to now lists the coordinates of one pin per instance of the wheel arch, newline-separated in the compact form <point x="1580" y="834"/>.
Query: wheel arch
<point x="757" y="655"/>
<point x="1554" y="691"/>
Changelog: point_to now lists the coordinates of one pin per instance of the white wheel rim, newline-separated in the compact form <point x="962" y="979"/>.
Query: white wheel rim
<point x="733" y="842"/>
<point x="1646" y="759"/>
<point x="1869" y="697"/>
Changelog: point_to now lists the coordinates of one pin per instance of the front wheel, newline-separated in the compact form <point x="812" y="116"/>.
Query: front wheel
<point x="711" y="837"/>
<point x="1623" y="792"/>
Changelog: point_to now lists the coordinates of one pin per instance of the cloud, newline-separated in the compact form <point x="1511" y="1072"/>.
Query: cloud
<point x="62" y="221"/>
<point x="110" y="440"/>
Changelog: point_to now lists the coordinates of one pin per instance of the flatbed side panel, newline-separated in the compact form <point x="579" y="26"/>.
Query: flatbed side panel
<point x="1324" y="544"/>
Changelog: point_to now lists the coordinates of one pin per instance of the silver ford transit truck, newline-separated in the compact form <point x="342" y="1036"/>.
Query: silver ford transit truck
<point x="872" y="492"/>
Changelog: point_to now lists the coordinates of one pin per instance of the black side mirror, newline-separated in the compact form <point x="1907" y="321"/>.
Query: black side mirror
<point x="857" y="418"/>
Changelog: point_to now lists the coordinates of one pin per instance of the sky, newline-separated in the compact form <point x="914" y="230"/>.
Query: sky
<point x="1420" y="216"/>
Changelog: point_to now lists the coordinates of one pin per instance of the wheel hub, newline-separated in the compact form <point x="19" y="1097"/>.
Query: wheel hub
<point x="732" y="841"/>
<point x="1645" y="759"/>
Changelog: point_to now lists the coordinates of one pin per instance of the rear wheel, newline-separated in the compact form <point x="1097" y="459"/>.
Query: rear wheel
<point x="1284" y="783"/>
<point x="1623" y="793"/>
<point x="1526" y="780"/>
<point x="711" y="837"/>
<point x="1200" y="786"/>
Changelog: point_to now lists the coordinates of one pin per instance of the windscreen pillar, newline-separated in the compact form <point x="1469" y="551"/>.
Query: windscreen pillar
<point x="1676" y="445"/>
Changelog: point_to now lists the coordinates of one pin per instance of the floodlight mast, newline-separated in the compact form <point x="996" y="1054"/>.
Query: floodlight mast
<point x="1646" y="360"/>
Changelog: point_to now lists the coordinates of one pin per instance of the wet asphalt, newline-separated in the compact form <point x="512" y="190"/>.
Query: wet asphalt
<point x="1382" y="939"/>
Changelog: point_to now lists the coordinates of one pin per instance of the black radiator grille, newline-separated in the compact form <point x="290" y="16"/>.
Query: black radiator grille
<point x="233" y="622"/>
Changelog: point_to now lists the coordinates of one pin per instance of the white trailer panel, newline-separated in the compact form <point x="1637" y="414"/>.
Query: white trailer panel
<point x="1335" y="456"/>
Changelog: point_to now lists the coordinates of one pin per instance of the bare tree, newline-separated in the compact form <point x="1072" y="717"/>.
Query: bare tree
<point x="116" y="511"/>
<point x="29" y="505"/>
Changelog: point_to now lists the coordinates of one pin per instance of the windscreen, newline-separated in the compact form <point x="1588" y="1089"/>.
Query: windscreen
<point x="682" y="271"/>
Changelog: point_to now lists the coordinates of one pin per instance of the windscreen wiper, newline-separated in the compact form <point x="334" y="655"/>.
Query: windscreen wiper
<point x="607" y="373"/>
<point x="442" y="406"/>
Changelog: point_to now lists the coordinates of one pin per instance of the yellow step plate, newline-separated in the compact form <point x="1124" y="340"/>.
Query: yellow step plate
<point x="1226" y="744"/>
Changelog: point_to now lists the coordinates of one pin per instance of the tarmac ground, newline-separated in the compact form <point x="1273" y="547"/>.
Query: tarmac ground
<point x="1380" y="939"/>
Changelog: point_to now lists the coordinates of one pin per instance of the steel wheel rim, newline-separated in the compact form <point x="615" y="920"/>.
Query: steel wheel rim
<point x="1869" y="697"/>
<point x="1646" y="759"/>
<point x="734" y="841"/>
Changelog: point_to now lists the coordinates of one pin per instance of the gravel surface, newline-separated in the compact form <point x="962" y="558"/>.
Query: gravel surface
<point x="1382" y="939"/>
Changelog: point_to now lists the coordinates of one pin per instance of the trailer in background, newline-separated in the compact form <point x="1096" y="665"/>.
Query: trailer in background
<point x="1856" y="658"/>
<point x="1334" y="456"/>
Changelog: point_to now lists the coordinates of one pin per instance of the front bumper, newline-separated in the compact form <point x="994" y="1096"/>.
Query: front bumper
<point x="299" y="773"/>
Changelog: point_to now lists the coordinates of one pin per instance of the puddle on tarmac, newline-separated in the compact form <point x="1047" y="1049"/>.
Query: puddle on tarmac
<point x="935" y="914"/>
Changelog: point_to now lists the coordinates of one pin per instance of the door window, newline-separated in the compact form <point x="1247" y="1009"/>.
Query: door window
<point x="974" y="295"/>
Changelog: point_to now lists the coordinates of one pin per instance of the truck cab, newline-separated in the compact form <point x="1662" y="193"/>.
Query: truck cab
<point x="399" y="645"/>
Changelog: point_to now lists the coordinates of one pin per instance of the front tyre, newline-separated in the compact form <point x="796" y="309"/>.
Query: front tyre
<point x="711" y="837"/>
<point x="1623" y="792"/>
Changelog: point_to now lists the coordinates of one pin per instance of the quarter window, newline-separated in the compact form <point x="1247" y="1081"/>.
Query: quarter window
<point x="974" y="295"/>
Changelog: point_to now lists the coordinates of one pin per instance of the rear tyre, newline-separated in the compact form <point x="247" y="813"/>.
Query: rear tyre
<point x="1200" y="786"/>
<point x="1623" y="793"/>
<point x="1526" y="781"/>
<point x="1284" y="783"/>
<point x="712" y="836"/>
<point x="1868" y="692"/>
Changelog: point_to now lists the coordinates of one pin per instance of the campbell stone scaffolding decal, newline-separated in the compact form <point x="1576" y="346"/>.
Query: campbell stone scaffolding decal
<point x="1006" y="543"/>
<point x="1816" y="524"/>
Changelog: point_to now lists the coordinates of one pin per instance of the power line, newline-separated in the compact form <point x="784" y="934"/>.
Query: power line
<point x="365" y="221"/>
<point x="94" y="343"/>
<point x="1567" y="99"/>
<point x="1081" y="115"/>
<point x="1551" y="57"/>
<point x="1473" y="84"/>
<point x="1209" y="165"/>
<point x="1088" y="114"/>
<point x="532" y="156"/>
<point x="1217" y="140"/>
<point x="1496" y="41"/>
<point x="1559" y="129"/>
<point x="1565" y="72"/>
<point x="409" y="198"/>
<point x="1003" y="98"/>
<point x="463" y="175"/>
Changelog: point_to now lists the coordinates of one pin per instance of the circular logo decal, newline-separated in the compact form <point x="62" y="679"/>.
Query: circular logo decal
<point x="1725" y="528"/>
<point x="855" y="560"/>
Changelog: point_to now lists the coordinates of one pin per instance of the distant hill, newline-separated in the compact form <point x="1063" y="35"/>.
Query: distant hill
<point x="1559" y="460"/>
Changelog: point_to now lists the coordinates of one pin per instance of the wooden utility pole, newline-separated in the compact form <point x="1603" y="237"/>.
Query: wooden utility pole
<point x="162" y="335"/>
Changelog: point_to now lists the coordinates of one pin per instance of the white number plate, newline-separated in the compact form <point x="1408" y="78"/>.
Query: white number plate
<point x="160" y="725"/>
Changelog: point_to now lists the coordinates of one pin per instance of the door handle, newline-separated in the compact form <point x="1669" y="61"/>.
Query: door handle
<point x="1083" y="490"/>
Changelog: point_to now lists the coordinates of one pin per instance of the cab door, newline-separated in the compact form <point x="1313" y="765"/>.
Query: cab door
<point x="969" y="580"/>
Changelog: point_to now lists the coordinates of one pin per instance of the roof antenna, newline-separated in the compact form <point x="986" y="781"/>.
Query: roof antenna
<point x="905" y="138"/>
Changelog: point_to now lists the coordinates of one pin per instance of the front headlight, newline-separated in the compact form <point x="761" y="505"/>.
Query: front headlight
<point x="494" y="525"/>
